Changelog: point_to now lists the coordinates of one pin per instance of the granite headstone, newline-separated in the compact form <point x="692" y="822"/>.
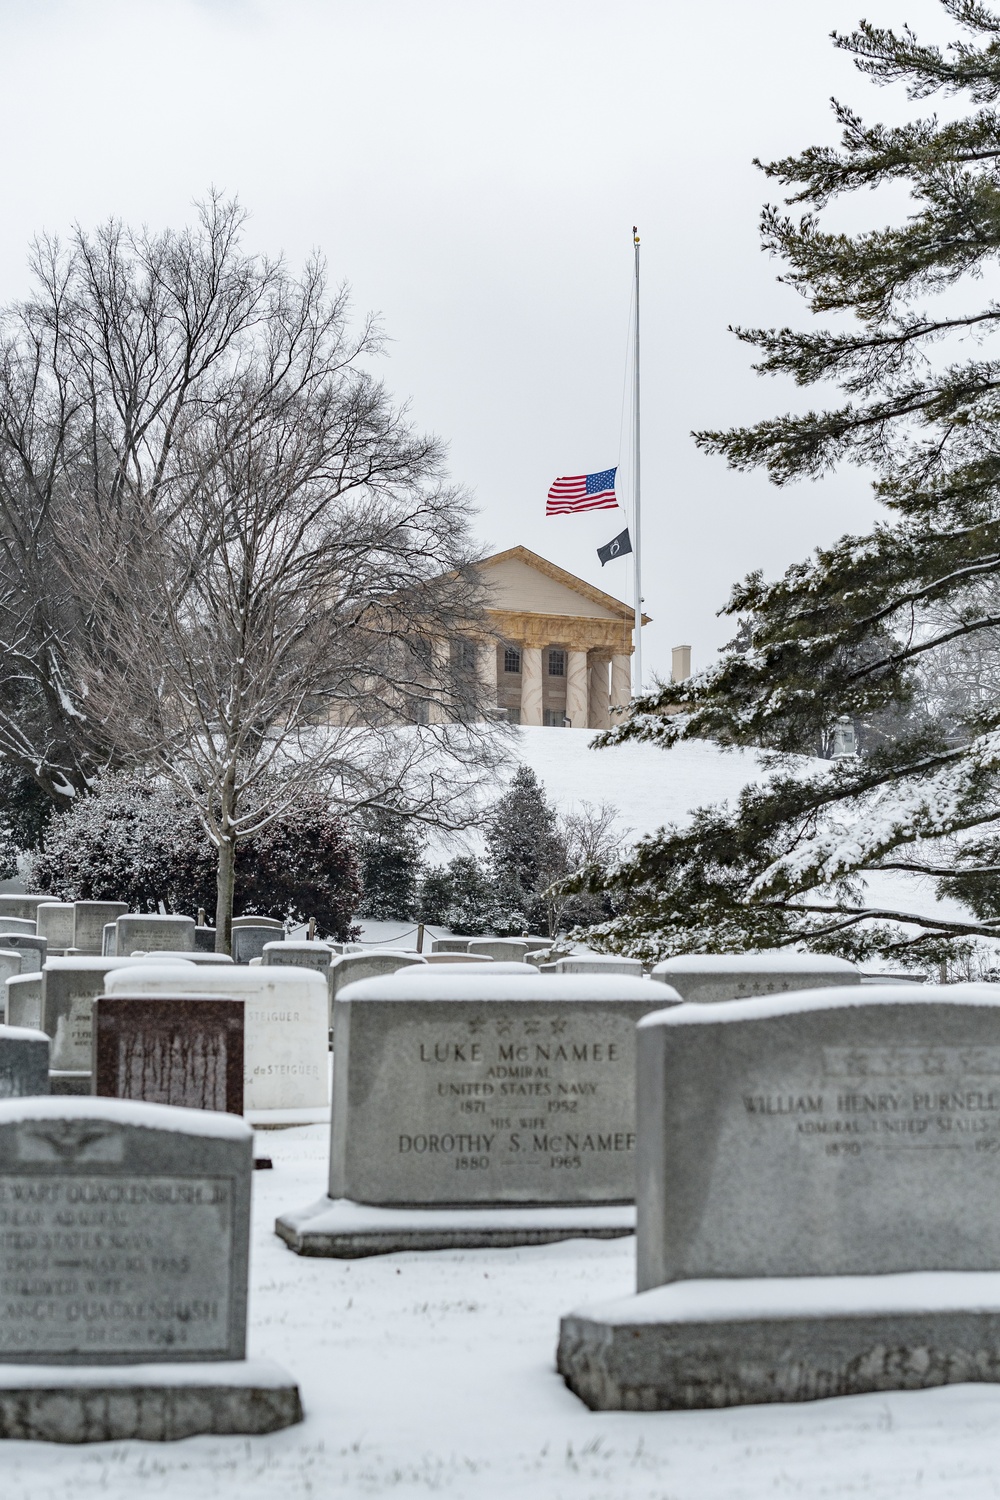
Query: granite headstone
<point x="709" y="977"/>
<point x="54" y="921"/>
<point x="89" y="921"/>
<point x="24" y="1000"/>
<point x="146" y="933"/>
<point x="185" y="1050"/>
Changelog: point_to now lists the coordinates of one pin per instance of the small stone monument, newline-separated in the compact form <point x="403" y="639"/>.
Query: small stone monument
<point x="89" y="921"/>
<point x="707" y="977"/>
<point x="10" y="963"/>
<point x="511" y="949"/>
<point x="286" y="1028"/>
<point x="21" y="906"/>
<point x="54" y="921"/>
<point x="170" y="1049"/>
<point x="69" y="988"/>
<point x="593" y="963"/>
<point x="450" y="945"/>
<point x="16" y="924"/>
<point x="24" y="1000"/>
<point x="351" y="967"/>
<point x="819" y="1203"/>
<point x="146" y="933"/>
<point x="24" y="1062"/>
<point x="33" y="949"/>
<point x="249" y="939"/>
<point x="299" y="955"/>
<point x="133" y="1220"/>
<point x="478" y="1109"/>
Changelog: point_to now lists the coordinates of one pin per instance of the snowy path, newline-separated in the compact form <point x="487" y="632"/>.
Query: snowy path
<point x="433" y="1375"/>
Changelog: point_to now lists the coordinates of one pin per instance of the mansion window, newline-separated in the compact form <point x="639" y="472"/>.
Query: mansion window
<point x="511" y="659"/>
<point x="554" y="718"/>
<point x="557" y="664"/>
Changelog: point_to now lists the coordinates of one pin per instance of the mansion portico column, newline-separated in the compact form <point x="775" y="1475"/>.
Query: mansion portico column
<point x="486" y="663"/>
<point x="576" y="688"/>
<point x="621" y="684"/>
<point x="600" y="708"/>
<point x="531" y="685"/>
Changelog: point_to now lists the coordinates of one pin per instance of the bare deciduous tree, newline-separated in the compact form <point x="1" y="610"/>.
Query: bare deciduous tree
<point x="290" y="591"/>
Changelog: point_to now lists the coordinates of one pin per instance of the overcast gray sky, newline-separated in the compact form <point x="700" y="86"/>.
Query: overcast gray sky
<point x="473" y="168"/>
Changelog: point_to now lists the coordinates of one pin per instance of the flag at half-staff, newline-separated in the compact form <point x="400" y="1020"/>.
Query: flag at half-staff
<point x="617" y="547"/>
<point x="578" y="492"/>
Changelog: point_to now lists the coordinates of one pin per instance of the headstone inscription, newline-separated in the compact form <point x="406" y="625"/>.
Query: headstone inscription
<point x="133" y="1253"/>
<point x="185" y="1050"/>
<point x="89" y="921"/>
<point x="450" y="945"/>
<point x="24" y="1062"/>
<point x="54" y="920"/>
<point x="146" y="932"/>
<point x="24" y="1000"/>
<point x="461" y="1089"/>
<point x="709" y="977"/>
<point x="286" y="1026"/>
<point x="819" y="1202"/>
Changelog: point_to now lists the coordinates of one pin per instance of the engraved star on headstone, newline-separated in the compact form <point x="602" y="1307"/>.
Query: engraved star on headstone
<point x="531" y="1027"/>
<point x="558" y="1026"/>
<point x="477" y="1024"/>
<point x="504" y="1028"/>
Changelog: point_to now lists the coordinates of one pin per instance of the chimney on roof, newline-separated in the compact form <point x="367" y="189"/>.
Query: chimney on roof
<point x="680" y="666"/>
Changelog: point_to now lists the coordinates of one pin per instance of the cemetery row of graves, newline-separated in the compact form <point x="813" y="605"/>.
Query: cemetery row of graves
<point x="808" y="1158"/>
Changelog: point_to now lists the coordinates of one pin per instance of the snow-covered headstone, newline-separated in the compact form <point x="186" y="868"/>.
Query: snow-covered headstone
<point x="348" y="968"/>
<point x="69" y="988"/>
<point x="594" y="963"/>
<point x="818" y="1202"/>
<point x="501" y="948"/>
<point x="286" y="1028"/>
<point x="134" y="1220"/>
<point x="708" y="977"/>
<point x="89" y="920"/>
<point x="509" y="1094"/>
<point x="24" y="1062"/>
<point x="146" y="932"/>
<point x="54" y="921"/>
<point x="24" y="1000"/>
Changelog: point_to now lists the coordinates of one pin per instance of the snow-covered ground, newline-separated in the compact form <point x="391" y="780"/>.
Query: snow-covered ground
<point x="433" y="1375"/>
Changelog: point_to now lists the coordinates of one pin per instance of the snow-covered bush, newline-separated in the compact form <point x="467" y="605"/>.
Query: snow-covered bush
<point x="135" y="840"/>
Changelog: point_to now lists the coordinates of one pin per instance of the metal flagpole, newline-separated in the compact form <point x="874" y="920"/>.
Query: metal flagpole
<point x="636" y="526"/>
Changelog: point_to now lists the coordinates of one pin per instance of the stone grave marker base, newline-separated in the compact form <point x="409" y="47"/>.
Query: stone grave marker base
<point x="703" y="1344"/>
<point x="343" y="1230"/>
<point x="68" y="1081"/>
<point x="159" y="1403"/>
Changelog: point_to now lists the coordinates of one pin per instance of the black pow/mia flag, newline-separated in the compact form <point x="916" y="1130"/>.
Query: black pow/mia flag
<point x="618" y="548"/>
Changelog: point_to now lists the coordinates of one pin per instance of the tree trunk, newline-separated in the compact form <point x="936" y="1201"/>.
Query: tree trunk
<point x="225" y="882"/>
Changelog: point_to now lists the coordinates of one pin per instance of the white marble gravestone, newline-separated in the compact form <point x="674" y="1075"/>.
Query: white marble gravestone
<point x="285" y="1036"/>
<point x="124" y="1241"/>
<point x="467" y="1091"/>
<point x="819" y="1202"/>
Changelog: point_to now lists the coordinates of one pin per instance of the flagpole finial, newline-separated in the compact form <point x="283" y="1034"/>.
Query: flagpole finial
<point x="635" y="234"/>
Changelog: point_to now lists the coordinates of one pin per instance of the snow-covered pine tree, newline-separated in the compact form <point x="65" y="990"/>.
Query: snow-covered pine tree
<point x="864" y="628"/>
<point x="389" y="850"/>
<point x="526" y="854"/>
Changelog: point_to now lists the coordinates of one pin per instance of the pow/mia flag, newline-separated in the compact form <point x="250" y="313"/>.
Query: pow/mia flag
<point x="618" y="548"/>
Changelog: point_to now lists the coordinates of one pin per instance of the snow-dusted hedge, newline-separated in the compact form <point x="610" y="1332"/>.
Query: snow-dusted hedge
<point x="133" y="840"/>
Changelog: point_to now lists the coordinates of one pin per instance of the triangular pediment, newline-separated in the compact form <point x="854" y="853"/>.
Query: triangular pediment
<point x="521" y="581"/>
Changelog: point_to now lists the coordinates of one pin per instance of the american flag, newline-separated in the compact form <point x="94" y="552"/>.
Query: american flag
<point x="582" y="492"/>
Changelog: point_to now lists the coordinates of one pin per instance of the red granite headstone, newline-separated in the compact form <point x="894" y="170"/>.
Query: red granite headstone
<point x="166" y="1049"/>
